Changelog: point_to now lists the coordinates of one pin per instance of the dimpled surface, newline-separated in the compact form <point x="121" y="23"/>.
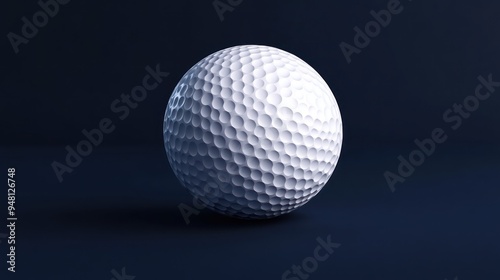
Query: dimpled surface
<point x="252" y="131"/>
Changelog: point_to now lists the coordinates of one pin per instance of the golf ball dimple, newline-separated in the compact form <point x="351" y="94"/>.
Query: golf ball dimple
<point x="252" y="131"/>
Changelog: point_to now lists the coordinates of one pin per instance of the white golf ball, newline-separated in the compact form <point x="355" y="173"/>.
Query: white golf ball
<point x="252" y="131"/>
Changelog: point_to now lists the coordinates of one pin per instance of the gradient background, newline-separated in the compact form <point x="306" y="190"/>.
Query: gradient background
<point x="119" y="208"/>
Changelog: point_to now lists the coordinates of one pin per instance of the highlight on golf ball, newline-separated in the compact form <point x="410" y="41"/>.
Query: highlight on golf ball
<point x="252" y="132"/>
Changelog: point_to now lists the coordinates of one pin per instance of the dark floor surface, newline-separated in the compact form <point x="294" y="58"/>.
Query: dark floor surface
<point x="119" y="209"/>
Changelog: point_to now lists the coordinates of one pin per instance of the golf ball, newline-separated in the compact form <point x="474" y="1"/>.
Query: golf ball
<point x="252" y="131"/>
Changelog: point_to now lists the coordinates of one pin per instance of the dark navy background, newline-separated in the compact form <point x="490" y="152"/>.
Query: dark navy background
<point x="119" y="207"/>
